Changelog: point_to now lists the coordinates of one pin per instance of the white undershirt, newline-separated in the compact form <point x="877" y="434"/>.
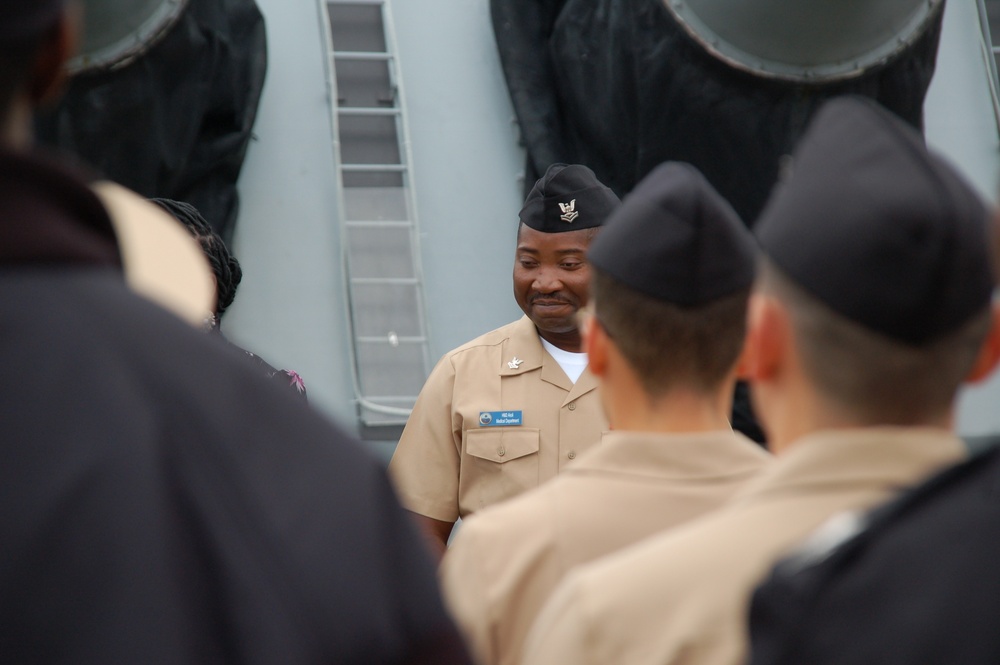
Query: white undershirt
<point x="572" y="363"/>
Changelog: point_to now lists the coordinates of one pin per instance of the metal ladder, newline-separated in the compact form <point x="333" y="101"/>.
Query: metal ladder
<point x="390" y="355"/>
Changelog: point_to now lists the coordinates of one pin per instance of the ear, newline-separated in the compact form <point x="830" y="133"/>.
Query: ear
<point x="595" y="343"/>
<point x="768" y="339"/>
<point x="989" y="352"/>
<point x="49" y="71"/>
<point x="743" y="362"/>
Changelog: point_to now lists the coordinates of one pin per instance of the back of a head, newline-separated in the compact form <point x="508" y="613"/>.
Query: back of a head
<point x="671" y="274"/>
<point x="225" y="267"/>
<point x="878" y="249"/>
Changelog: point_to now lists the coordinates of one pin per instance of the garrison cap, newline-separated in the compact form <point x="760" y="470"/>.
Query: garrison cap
<point x="879" y="229"/>
<point x="23" y="20"/>
<point x="569" y="197"/>
<point x="677" y="240"/>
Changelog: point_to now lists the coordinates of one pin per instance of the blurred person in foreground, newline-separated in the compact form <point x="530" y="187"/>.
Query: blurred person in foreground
<point x="160" y="505"/>
<point x="670" y="278"/>
<point x="872" y="304"/>
<point x="912" y="583"/>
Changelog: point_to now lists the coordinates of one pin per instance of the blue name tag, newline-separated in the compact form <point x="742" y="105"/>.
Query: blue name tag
<point x="499" y="418"/>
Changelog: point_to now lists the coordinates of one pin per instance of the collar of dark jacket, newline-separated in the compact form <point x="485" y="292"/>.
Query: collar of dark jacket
<point x="49" y="215"/>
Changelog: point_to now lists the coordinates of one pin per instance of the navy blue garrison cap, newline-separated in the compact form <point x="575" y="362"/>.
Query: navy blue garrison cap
<point x="23" y="20"/>
<point x="677" y="240"/>
<point x="877" y="228"/>
<point x="569" y="197"/>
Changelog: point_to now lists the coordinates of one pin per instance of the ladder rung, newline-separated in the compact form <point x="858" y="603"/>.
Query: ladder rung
<point x="361" y="55"/>
<point x="366" y="110"/>
<point x="376" y="168"/>
<point x="388" y="398"/>
<point x="390" y="281"/>
<point x="375" y="223"/>
<point x="385" y="340"/>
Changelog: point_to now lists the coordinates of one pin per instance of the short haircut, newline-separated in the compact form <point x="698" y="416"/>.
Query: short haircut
<point x="877" y="379"/>
<point x="671" y="346"/>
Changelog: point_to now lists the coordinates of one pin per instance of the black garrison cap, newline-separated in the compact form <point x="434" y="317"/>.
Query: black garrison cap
<point x="567" y="198"/>
<point x="23" y="20"/>
<point x="677" y="240"/>
<point x="877" y="228"/>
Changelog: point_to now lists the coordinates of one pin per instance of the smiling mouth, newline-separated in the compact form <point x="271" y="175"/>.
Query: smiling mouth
<point x="550" y="304"/>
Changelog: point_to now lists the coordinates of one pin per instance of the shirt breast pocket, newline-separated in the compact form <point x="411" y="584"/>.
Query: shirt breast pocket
<point x="499" y="463"/>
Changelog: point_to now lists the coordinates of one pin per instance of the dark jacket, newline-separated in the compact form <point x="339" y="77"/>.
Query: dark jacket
<point x="160" y="502"/>
<point x="918" y="585"/>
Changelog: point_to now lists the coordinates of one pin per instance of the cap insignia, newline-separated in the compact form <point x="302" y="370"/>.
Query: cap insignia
<point x="569" y="212"/>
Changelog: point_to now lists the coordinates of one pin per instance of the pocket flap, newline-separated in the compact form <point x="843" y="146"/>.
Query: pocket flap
<point x="501" y="444"/>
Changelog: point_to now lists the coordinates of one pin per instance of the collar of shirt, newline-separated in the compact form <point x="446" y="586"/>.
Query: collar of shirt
<point x="571" y="363"/>
<point x="864" y="456"/>
<point x="694" y="456"/>
<point x="525" y="345"/>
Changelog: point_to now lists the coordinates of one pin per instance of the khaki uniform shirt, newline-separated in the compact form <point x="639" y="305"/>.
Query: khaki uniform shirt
<point x="505" y="561"/>
<point x="683" y="596"/>
<point x="448" y="464"/>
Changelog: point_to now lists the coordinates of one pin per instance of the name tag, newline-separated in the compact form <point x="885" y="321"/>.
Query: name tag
<point x="499" y="418"/>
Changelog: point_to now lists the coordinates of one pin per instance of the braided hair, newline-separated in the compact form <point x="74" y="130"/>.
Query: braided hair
<point x="225" y="266"/>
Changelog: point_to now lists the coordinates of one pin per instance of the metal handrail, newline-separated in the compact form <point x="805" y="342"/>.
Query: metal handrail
<point x="989" y="52"/>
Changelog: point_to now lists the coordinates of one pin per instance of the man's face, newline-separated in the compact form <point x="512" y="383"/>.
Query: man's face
<point x="552" y="278"/>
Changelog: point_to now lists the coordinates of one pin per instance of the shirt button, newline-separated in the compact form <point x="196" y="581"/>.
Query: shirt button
<point x="501" y="452"/>
<point x="571" y="454"/>
<point x="572" y="406"/>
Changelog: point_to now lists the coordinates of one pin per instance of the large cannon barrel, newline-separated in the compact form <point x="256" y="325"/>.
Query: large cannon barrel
<point x="163" y="98"/>
<point x="116" y="32"/>
<point x="810" y="42"/>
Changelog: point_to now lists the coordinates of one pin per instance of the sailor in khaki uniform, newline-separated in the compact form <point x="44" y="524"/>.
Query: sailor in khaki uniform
<point x="871" y="307"/>
<point x="670" y="279"/>
<point x="508" y="410"/>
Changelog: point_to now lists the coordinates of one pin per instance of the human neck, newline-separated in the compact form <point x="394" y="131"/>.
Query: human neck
<point x="567" y="341"/>
<point x="675" y="412"/>
<point x="804" y="414"/>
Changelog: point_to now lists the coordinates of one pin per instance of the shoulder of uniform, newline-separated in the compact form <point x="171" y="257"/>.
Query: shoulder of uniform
<point x="488" y="340"/>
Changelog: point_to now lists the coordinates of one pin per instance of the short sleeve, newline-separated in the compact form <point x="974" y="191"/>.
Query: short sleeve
<point x="426" y="465"/>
